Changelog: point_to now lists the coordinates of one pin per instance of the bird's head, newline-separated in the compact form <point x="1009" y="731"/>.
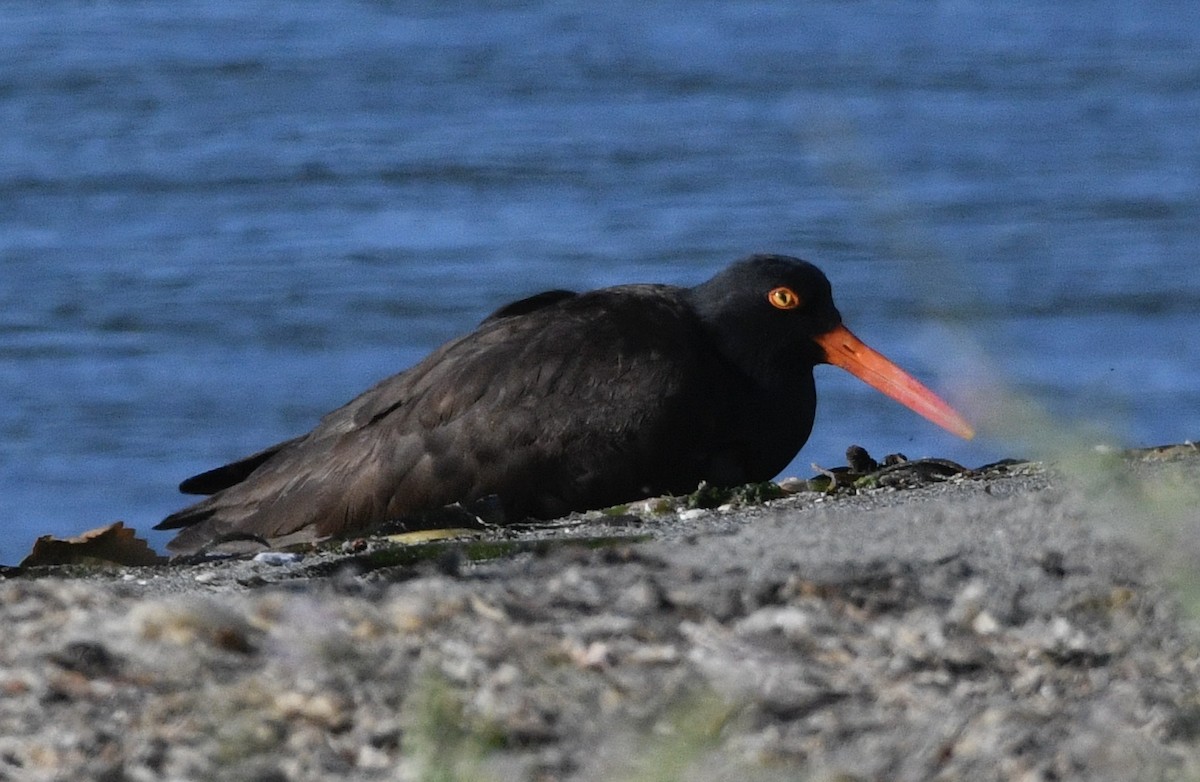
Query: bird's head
<point x="774" y="314"/>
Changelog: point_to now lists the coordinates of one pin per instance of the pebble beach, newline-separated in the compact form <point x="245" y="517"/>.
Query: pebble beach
<point x="1011" y="625"/>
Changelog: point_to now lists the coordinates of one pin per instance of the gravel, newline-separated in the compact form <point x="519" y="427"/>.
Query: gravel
<point x="1003" y="626"/>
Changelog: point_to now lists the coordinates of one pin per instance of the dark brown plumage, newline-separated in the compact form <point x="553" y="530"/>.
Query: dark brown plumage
<point x="564" y="402"/>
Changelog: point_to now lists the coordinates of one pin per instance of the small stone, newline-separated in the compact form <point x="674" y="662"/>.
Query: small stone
<point x="639" y="598"/>
<point x="793" y="485"/>
<point x="967" y="603"/>
<point x="372" y="758"/>
<point x="859" y="460"/>
<point x="1052" y="562"/>
<point x="652" y="654"/>
<point x="984" y="623"/>
<point x="594" y="656"/>
<point x="320" y="709"/>
<point x="277" y="558"/>
<point x="601" y="626"/>
<point x="185" y="621"/>
<point x="788" y="621"/>
<point x="1060" y="629"/>
<point x="90" y="658"/>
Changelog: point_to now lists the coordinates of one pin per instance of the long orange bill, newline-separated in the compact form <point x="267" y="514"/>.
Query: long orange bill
<point x="847" y="351"/>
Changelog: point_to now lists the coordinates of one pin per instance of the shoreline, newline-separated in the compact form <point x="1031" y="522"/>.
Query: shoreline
<point x="992" y="627"/>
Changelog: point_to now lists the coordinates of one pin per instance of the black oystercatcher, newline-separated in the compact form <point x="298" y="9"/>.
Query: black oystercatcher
<point x="562" y="402"/>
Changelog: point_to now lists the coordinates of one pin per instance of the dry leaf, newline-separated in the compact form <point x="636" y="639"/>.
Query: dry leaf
<point x="428" y="535"/>
<point x="115" y="544"/>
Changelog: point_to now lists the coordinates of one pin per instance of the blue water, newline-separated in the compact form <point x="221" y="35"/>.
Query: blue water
<point x="220" y="220"/>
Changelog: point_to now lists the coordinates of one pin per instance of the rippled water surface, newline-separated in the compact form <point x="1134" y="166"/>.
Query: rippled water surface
<point x="218" y="221"/>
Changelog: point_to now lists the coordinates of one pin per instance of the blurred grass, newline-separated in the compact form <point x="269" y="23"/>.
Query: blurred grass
<point x="440" y="740"/>
<point x="1157" y="508"/>
<point x="684" y="743"/>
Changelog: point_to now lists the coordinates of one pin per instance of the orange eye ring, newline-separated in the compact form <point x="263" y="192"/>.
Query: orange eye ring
<point x="783" y="298"/>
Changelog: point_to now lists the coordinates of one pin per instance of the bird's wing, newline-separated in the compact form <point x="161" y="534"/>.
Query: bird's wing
<point x="212" y="481"/>
<point x="563" y="406"/>
<point x="530" y="303"/>
<point x="218" y="478"/>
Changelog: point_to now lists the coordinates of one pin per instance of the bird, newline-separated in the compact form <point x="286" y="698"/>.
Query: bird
<point x="565" y="402"/>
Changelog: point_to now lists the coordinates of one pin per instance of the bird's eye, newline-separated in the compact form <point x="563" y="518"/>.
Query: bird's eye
<point x="783" y="298"/>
